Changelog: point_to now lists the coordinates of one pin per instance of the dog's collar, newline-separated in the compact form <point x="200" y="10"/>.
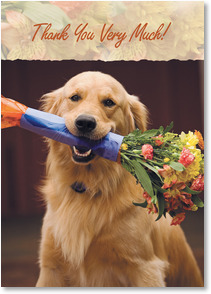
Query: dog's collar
<point x="78" y="187"/>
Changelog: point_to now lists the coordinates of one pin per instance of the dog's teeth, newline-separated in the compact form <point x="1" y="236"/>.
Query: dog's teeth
<point x="88" y="152"/>
<point x="85" y="154"/>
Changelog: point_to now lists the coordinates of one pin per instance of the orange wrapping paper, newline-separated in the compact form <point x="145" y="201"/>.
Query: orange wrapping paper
<point x="11" y="112"/>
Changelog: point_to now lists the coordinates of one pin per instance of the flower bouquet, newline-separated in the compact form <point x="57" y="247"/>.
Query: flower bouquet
<point x="170" y="167"/>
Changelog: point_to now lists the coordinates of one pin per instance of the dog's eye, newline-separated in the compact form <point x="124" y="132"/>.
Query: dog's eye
<point x="75" y="98"/>
<point x="108" y="103"/>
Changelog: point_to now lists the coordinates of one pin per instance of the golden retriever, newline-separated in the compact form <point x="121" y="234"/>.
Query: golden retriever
<point x="92" y="235"/>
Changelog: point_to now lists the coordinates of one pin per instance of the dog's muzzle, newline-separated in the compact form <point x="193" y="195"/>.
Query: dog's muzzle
<point x="85" y="124"/>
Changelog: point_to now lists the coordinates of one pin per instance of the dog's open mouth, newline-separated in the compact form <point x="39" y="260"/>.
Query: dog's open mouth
<point x="82" y="154"/>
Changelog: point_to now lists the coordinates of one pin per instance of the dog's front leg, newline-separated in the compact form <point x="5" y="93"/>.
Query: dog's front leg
<point x="151" y="273"/>
<point x="52" y="264"/>
<point x="50" y="278"/>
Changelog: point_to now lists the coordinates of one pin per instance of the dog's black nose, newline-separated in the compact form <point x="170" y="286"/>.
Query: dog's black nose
<point x="85" y="123"/>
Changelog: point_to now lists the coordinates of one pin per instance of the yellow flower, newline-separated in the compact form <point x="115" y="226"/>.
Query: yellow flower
<point x="168" y="181"/>
<point x="190" y="140"/>
<point x="16" y="36"/>
<point x="19" y="21"/>
<point x="33" y="50"/>
<point x="124" y="146"/>
<point x="166" y="159"/>
<point x="191" y="172"/>
<point x="194" y="208"/>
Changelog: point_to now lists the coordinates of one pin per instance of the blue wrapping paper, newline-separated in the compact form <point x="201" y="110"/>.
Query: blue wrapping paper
<point x="53" y="127"/>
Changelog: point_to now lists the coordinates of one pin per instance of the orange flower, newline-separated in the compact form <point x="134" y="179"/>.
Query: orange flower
<point x="169" y="176"/>
<point x="166" y="171"/>
<point x="178" y="219"/>
<point x="158" y="140"/>
<point x="200" y="138"/>
<point x="186" y="198"/>
<point x="172" y="203"/>
<point x="175" y="189"/>
<point x="150" y="206"/>
<point x="176" y="198"/>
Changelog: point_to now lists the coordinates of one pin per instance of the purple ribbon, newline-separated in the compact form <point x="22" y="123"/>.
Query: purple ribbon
<point x="53" y="127"/>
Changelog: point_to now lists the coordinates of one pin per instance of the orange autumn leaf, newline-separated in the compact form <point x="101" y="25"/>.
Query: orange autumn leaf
<point x="200" y="138"/>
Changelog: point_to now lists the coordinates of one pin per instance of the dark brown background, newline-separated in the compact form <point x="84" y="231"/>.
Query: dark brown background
<point x="172" y="91"/>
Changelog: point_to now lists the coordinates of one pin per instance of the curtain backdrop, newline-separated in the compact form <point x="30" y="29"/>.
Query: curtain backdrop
<point x="172" y="91"/>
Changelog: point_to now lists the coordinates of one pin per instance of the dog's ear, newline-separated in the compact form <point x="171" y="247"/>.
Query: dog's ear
<point x="51" y="101"/>
<point x="139" y="112"/>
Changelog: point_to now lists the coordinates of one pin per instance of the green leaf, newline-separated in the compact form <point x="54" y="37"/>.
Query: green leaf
<point x="161" y="205"/>
<point x="161" y="129"/>
<point x="159" y="188"/>
<point x="176" y="165"/>
<point x="188" y="190"/>
<point x="197" y="201"/>
<point x="150" y="167"/>
<point x="45" y="13"/>
<point x="143" y="177"/>
<point x="150" y="133"/>
<point x="127" y="166"/>
<point x="135" y="133"/>
<point x="172" y="213"/>
<point x="168" y="128"/>
<point x="143" y="204"/>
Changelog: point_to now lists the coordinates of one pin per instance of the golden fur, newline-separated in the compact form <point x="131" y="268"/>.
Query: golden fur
<point x="99" y="238"/>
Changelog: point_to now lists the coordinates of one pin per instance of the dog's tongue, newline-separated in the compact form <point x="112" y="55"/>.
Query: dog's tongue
<point x="82" y="149"/>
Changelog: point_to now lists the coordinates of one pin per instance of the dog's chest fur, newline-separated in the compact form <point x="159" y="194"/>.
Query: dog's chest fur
<point x="79" y="220"/>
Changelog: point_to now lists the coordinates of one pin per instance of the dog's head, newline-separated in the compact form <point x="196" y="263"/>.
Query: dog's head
<point x="93" y="104"/>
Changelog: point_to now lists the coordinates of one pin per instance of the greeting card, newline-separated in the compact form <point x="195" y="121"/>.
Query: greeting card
<point x="104" y="178"/>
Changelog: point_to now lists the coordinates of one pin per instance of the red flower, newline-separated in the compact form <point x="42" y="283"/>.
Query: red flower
<point x="198" y="184"/>
<point x="178" y="219"/>
<point x="158" y="142"/>
<point x="147" y="151"/>
<point x="186" y="157"/>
